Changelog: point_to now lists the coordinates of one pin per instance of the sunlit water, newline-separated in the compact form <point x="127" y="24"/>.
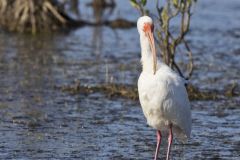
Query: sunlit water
<point x="39" y="121"/>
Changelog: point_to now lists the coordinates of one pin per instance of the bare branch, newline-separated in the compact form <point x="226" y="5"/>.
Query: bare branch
<point x="190" y="64"/>
<point x="166" y="41"/>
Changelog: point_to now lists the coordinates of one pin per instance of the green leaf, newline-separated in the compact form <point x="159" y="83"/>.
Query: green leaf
<point x="147" y="12"/>
<point x="144" y="2"/>
<point x="134" y="3"/>
<point x="164" y="15"/>
<point x="189" y="1"/>
<point x="175" y="3"/>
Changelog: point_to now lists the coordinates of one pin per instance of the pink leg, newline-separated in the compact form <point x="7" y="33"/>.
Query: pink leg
<point x="158" y="144"/>
<point x="170" y="138"/>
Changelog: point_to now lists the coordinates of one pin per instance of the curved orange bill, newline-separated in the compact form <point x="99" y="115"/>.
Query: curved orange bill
<point x="149" y="34"/>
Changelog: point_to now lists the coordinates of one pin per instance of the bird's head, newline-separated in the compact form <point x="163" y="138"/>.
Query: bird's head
<point x="145" y="23"/>
<point x="145" y="28"/>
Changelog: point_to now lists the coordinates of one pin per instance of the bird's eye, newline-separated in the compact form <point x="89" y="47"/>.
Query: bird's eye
<point x="148" y="26"/>
<point x="145" y="27"/>
<point x="152" y="27"/>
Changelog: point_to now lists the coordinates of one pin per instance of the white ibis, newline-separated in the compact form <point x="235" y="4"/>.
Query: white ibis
<point x="162" y="93"/>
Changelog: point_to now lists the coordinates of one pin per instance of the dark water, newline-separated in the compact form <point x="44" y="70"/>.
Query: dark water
<point x="38" y="121"/>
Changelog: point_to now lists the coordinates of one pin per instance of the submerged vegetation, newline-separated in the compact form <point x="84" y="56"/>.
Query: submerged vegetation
<point x="131" y="92"/>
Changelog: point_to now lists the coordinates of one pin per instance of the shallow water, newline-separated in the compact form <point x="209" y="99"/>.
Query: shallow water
<point x="38" y="121"/>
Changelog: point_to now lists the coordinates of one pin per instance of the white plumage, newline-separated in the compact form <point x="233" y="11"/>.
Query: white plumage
<point x="164" y="100"/>
<point x="162" y="93"/>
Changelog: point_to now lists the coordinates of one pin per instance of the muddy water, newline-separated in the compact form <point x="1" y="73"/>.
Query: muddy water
<point x="38" y="121"/>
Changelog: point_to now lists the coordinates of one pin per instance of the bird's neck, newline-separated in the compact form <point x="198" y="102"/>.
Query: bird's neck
<point x="146" y="55"/>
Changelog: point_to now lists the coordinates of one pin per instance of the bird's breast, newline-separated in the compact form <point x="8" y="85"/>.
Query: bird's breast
<point x="150" y="100"/>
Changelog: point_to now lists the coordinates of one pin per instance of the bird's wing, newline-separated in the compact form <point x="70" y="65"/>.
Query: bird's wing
<point x="172" y="99"/>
